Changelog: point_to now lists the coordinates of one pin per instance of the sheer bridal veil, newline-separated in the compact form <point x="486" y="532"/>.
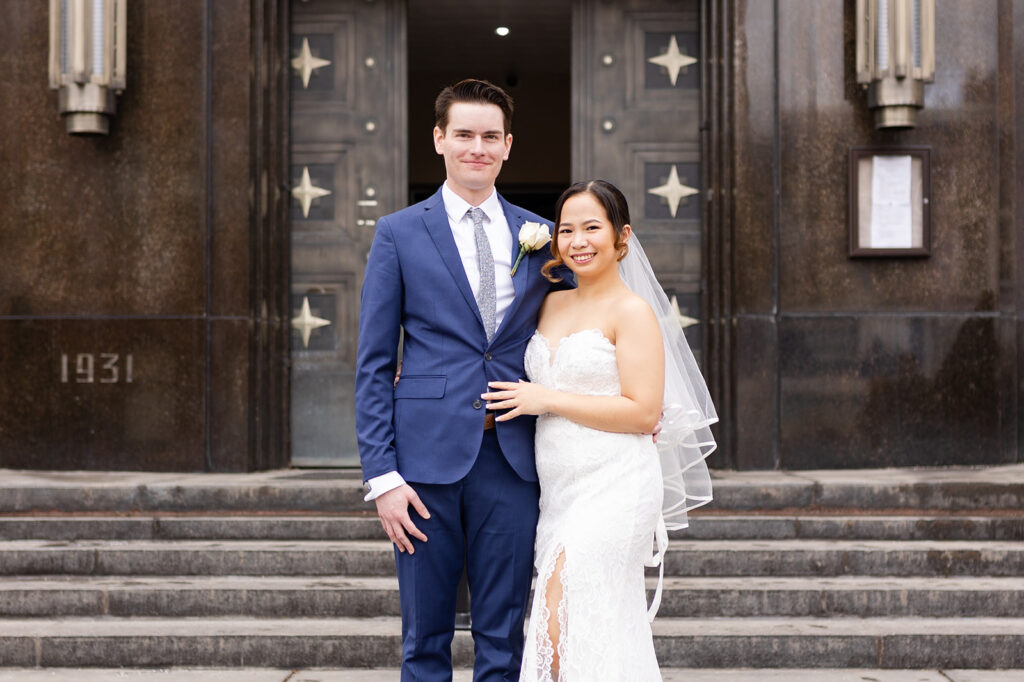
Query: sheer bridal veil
<point x="685" y="439"/>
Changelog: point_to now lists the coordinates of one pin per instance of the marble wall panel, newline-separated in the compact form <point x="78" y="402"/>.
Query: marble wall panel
<point x="102" y="394"/>
<point x="1009" y="390"/>
<point x="892" y="390"/>
<point x="145" y="244"/>
<point x="105" y="224"/>
<point x="753" y="130"/>
<point x="231" y="161"/>
<point x="822" y="113"/>
<point x="1016" y="59"/>
<point x="231" y="399"/>
<point x="755" y="415"/>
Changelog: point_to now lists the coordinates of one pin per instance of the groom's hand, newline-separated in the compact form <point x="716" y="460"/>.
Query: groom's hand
<point x="393" y="510"/>
<point x="657" y="428"/>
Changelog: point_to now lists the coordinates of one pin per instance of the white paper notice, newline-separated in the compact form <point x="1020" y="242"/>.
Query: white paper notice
<point x="891" y="215"/>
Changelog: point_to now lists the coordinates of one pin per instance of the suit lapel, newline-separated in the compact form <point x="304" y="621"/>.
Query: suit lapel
<point x="440" y="231"/>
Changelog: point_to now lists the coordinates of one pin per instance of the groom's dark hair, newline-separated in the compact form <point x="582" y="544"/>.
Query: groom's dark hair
<point x="475" y="91"/>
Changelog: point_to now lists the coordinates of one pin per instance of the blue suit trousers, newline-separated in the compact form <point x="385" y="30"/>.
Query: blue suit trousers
<point x="488" y="520"/>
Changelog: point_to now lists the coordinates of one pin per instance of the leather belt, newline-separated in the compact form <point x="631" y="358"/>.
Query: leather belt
<point x="489" y="421"/>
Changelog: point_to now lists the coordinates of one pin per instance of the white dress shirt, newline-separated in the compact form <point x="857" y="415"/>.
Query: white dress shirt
<point x="500" y="236"/>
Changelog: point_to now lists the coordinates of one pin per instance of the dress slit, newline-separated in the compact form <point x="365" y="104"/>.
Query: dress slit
<point x="552" y="630"/>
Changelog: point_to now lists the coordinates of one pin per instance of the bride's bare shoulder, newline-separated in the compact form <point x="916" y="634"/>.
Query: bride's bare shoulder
<point x="632" y="316"/>
<point x="630" y="308"/>
<point x="556" y="300"/>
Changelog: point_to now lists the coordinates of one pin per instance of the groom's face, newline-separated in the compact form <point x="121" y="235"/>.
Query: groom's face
<point x="474" y="145"/>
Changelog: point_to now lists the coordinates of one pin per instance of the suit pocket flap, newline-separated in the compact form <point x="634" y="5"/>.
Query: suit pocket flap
<point x="421" y="386"/>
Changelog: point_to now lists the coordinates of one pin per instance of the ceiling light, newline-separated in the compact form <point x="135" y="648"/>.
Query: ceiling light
<point x="502" y="31"/>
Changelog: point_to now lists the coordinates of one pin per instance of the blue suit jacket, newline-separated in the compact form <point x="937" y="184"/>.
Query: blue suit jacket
<point x="429" y="427"/>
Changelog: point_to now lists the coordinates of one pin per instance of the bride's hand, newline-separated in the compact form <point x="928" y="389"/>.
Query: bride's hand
<point x="518" y="398"/>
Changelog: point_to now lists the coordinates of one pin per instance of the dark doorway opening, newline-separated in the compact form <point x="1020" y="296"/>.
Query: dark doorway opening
<point x="454" y="39"/>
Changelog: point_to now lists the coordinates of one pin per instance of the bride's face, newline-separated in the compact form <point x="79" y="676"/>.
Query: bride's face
<point x="586" y="238"/>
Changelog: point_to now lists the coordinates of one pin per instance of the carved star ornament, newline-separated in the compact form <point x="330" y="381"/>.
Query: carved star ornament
<point x="306" y="63"/>
<point x="673" y="191"/>
<point x="306" y="322"/>
<point x="673" y="60"/>
<point x="684" y="320"/>
<point x="306" y="192"/>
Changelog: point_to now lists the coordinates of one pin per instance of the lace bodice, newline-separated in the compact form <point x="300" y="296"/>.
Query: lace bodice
<point x="583" y="362"/>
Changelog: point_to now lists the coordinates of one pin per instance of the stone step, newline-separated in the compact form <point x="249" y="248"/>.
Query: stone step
<point x="330" y="597"/>
<point x="855" y="596"/>
<point x="842" y="642"/>
<point x="365" y="557"/>
<point x="985" y="643"/>
<point x="192" y="527"/>
<point x="465" y="675"/>
<point x="197" y="557"/>
<point x="767" y="526"/>
<point x="199" y="596"/>
<point x="949" y="489"/>
<point x="367" y="527"/>
<point x="844" y="557"/>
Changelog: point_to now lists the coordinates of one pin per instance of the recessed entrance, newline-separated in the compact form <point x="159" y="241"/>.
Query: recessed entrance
<point x="450" y="40"/>
<point x="602" y="89"/>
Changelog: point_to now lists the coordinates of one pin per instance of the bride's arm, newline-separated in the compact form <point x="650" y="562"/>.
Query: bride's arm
<point x="641" y="361"/>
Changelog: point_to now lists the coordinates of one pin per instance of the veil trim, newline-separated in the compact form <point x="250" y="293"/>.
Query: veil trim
<point x="685" y="440"/>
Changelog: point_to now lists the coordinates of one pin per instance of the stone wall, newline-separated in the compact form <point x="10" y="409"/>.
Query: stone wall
<point x="143" y="275"/>
<point x="137" y="298"/>
<point x="871" y="362"/>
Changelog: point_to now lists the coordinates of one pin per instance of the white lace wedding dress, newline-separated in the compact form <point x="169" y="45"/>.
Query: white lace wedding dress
<point x="600" y="503"/>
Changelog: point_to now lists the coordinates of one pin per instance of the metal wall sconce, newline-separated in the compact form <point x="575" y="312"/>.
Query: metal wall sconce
<point x="895" y="57"/>
<point x="87" y="61"/>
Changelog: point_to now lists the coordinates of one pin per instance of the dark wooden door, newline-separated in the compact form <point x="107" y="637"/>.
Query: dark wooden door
<point x="636" y="123"/>
<point x="348" y="167"/>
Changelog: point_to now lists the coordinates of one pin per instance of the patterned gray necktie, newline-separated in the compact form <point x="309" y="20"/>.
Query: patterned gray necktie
<point x="486" y="296"/>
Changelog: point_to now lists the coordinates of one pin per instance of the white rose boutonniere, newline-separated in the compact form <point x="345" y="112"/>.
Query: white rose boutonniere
<point x="532" y="236"/>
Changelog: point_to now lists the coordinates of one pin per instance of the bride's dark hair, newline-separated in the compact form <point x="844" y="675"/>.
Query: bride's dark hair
<point x="615" y="207"/>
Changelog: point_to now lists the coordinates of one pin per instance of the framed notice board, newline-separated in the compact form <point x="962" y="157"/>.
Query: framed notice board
<point x="889" y="201"/>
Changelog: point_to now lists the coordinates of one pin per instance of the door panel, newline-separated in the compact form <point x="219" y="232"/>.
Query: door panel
<point x="636" y="123"/>
<point x="347" y="168"/>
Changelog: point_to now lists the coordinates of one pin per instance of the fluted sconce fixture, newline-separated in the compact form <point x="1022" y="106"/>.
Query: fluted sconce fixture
<point x="895" y="57"/>
<point x="87" y="61"/>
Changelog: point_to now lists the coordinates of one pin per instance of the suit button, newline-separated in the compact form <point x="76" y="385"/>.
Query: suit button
<point x="477" y="404"/>
<point x="487" y="356"/>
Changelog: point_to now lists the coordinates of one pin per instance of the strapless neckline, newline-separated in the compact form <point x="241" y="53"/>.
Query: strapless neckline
<point x="553" y="350"/>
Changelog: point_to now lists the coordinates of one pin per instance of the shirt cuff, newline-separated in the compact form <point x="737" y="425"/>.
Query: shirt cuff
<point x="382" y="484"/>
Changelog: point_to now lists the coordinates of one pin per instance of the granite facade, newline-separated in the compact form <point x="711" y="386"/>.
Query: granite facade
<point x="102" y="394"/>
<point x="144" y="279"/>
<point x="133" y="329"/>
<point x="873" y="361"/>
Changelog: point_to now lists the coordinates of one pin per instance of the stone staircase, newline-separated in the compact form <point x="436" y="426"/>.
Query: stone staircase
<point x="863" y="570"/>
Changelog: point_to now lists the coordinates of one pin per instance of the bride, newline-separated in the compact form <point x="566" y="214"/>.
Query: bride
<point x="607" y="361"/>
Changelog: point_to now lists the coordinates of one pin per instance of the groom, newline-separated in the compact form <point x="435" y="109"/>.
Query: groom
<point x="451" y="487"/>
